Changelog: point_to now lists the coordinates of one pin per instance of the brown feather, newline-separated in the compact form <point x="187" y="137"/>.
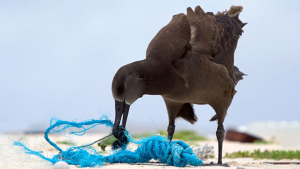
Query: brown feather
<point x="187" y="113"/>
<point x="170" y="42"/>
<point x="216" y="35"/>
<point x="214" y="118"/>
<point x="238" y="74"/>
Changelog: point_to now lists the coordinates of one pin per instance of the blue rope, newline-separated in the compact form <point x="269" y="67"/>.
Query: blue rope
<point x="68" y="124"/>
<point x="175" y="153"/>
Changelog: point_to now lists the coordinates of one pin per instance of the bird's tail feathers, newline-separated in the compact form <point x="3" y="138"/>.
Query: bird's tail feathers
<point x="214" y="118"/>
<point x="187" y="113"/>
<point x="238" y="74"/>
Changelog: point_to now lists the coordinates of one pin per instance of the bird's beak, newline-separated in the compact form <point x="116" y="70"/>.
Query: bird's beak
<point x="122" y="109"/>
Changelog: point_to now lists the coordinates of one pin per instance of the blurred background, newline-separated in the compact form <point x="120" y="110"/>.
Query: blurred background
<point x="58" y="59"/>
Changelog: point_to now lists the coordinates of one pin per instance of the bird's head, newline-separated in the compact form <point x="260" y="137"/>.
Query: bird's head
<point x="128" y="85"/>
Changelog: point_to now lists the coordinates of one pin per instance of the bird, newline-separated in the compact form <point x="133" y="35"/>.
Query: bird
<point x="189" y="61"/>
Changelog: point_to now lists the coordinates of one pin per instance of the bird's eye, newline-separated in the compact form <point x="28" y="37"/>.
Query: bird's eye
<point x="121" y="88"/>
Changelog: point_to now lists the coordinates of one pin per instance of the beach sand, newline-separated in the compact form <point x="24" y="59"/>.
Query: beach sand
<point x="13" y="157"/>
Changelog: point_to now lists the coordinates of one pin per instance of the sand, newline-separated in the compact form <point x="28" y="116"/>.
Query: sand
<point x="12" y="157"/>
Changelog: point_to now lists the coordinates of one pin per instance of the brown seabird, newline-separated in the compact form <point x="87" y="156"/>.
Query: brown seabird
<point x="189" y="61"/>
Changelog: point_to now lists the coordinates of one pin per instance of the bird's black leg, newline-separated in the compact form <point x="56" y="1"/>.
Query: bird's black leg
<point x="220" y="138"/>
<point x="173" y="109"/>
<point x="171" y="130"/>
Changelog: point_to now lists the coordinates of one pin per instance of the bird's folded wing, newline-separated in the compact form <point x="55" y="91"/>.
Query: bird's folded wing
<point x="171" y="41"/>
<point x="216" y="35"/>
<point x="204" y="33"/>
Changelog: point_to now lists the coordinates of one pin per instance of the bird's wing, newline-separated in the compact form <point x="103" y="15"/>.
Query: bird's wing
<point x="207" y="34"/>
<point x="216" y="35"/>
<point x="171" y="41"/>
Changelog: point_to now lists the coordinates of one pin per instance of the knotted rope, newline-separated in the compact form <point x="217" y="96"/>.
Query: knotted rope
<point x="176" y="153"/>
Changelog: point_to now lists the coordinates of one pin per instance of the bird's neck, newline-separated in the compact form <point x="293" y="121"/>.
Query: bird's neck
<point x="157" y="78"/>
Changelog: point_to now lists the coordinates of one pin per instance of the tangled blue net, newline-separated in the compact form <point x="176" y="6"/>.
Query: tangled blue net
<point x="175" y="153"/>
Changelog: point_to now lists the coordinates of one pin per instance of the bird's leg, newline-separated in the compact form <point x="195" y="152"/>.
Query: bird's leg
<point x="221" y="111"/>
<point x="220" y="138"/>
<point x="173" y="109"/>
<point x="171" y="130"/>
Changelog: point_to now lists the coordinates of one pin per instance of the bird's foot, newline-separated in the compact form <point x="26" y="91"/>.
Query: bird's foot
<point x="213" y="164"/>
<point x="121" y="135"/>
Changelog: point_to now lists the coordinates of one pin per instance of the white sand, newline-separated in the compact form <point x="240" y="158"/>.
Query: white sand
<point x="12" y="157"/>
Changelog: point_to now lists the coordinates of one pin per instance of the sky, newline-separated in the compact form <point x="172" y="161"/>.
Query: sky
<point x="58" y="59"/>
